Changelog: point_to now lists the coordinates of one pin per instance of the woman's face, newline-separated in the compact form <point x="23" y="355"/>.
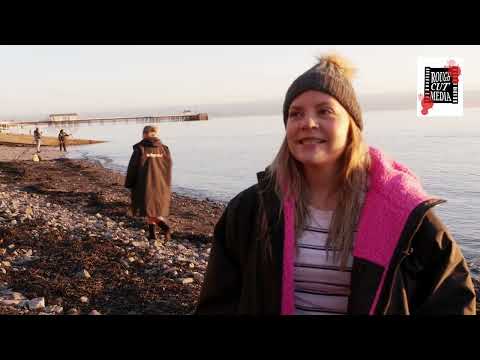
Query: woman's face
<point x="317" y="128"/>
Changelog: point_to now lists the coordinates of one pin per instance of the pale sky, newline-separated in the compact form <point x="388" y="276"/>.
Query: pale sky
<point x="49" y="79"/>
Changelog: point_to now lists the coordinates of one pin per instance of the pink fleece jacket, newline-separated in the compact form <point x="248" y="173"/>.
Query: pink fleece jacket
<point x="393" y="193"/>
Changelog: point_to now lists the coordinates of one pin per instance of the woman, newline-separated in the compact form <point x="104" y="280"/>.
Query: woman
<point x="333" y="226"/>
<point x="149" y="177"/>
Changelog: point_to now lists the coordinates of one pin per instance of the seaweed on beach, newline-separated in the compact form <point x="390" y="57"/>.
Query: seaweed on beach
<point x="78" y="222"/>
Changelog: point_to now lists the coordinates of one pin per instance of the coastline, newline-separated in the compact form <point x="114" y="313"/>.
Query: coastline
<point x="47" y="141"/>
<point x="68" y="245"/>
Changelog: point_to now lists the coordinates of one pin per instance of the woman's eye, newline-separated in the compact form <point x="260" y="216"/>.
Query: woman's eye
<point x="326" y="111"/>
<point x="294" y="114"/>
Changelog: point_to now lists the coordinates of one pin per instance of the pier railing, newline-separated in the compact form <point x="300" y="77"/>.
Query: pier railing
<point x="114" y="120"/>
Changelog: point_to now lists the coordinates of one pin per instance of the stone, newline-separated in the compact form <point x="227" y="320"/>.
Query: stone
<point x="12" y="295"/>
<point x="23" y="304"/>
<point x="98" y="215"/>
<point x="3" y="271"/>
<point x="58" y="301"/>
<point x="26" y="260"/>
<point x="6" y="263"/>
<point x="124" y="263"/>
<point x="84" y="274"/>
<point x="2" y="251"/>
<point x="73" y="311"/>
<point x="29" y="211"/>
<point x="131" y="259"/>
<point x="36" y="304"/>
<point x="198" y="277"/>
<point x="11" y="246"/>
<point x="172" y="271"/>
<point x="56" y="309"/>
<point x="158" y="244"/>
<point x="13" y="222"/>
<point x="187" y="281"/>
<point x="181" y="247"/>
<point x="10" y="302"/>
<point x="140" y="244"/>
<point x="191" y="266"/>
<point x="84" y="299"/>
<point x="29" y="252"/>
<point x="94" y="312"/>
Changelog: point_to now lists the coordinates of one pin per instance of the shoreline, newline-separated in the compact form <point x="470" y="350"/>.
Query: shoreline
<point x="109" y="164"/>
<point x="19" y="153"/>
<point x="9" y="139"/>
<point x="68" y="245"/>
<point x="61" y="218"/>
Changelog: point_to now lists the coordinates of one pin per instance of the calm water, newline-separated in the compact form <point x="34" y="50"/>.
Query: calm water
<point x="220" y="157"/>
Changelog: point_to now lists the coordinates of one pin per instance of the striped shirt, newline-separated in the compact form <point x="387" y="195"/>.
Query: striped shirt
<point x="321" y="288"/>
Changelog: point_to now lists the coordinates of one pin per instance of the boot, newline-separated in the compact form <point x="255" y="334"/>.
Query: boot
<point x="167" y="235"/>
<point x="165" y="229"/>
<point x="151" y="232"/>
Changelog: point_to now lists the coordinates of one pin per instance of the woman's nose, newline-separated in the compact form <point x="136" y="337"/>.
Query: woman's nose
<point x="310" y="122"/>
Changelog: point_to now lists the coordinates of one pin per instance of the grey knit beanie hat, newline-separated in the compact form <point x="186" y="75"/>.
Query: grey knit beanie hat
<point x="331" y="75"/>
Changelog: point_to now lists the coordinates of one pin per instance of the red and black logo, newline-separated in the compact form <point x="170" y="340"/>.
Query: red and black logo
<point x="441" y="86"/>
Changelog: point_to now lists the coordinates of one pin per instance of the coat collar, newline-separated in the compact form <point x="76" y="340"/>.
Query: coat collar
<point x="394" y="201"/>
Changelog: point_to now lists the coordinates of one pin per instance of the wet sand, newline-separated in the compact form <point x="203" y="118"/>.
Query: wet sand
<point x="13" y="153"/>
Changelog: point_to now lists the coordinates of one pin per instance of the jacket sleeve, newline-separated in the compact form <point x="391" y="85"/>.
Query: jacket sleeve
<point x="221" y="288"/>
<point x="132" y="169"/>
<point x="168" y="160"/>
<point x="444" y="283"/>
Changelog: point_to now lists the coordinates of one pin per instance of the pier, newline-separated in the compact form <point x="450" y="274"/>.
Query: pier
<point x="107" y="120"/>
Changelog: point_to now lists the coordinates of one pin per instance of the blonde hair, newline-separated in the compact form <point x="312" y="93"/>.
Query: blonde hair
<point x="286" y="174"/>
